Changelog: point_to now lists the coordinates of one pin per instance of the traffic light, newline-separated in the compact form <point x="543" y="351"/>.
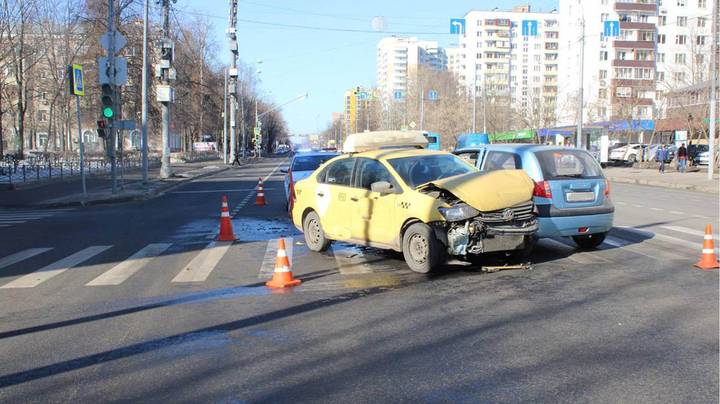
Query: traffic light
<point x="108" y="101"/>
<point x="101" y="125"/>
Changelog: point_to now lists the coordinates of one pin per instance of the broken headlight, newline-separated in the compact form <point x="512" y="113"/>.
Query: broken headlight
<point x="458" y="212"/>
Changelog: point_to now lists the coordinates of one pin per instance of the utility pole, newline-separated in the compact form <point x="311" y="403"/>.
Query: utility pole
<point x="165" y="91"/>
<point x="578" y="137"/>
<point x="474" y="95"/>
<point x="110" y="142"/>
<point x="713" y="91"/>
<point x="144" y="113"/>
<point x="225" y="117"/>
<point x="422" y="108"/>
<point x="233" y="73"/>
<point x="484" y="101"/>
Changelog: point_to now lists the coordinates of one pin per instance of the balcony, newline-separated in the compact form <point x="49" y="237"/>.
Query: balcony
<point x="632" y="101"/>
<point x="637" y="25"/>
<point x="633" y="63"/>
<point x="651" y="8"/>
<point x="634" y="44"/>
<point x="639" y="83"/>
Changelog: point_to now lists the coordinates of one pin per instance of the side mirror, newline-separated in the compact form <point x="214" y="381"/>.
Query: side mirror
<point x="284" y="170"/>
<point x="382" y="187"/>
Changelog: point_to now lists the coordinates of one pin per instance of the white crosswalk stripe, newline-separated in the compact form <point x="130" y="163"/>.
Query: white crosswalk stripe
<point x="56" y="268"/>
<point x="11" y="217"/>
<point x="21" y="256"/>
<point x="203" y="264"/>
<point x="124" y="270"/>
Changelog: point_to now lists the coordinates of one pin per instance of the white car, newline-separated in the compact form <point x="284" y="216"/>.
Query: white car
<point x="627" y="154"/>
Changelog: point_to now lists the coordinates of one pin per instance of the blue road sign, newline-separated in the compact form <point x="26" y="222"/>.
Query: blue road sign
<point x="432" y="95"/>
<point x="398" y="95"/>
<point x="611" y="28"/>
<point x="529" y="28"/>
<point x="362" y="96"/>
<point x="457" y="26"/>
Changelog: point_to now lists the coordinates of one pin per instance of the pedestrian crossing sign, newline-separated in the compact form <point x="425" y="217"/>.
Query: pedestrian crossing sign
<point x="77" y="84"/>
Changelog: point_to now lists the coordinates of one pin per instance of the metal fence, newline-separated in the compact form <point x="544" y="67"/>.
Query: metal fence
<point x="46" y="167"/>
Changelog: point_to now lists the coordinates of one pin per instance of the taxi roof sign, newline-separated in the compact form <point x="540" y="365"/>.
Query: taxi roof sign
<point x="366" y="141"/>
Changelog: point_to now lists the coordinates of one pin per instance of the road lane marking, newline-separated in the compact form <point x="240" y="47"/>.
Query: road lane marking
<point x="12" y="221"/>
<point x="657" y="209"/>
<point x="620" y="203"/>
<point x="675" y="212"/>
<point x="56" y="268"/>
<point x="637" y="206"/>
<point x="23" y="216"/>
<point x="245" y="200"/>
<point x="686" y="231"/>
<point x="21" y="256"/>
<point x="124" y="270"/>
<point x="584" y="258"/>
<point x="660" y="236"/>
<point x="216" y="191"/>
<point x="200" y="267"/>
<point x="350" y="260"/>
<point x="268" y="264"/>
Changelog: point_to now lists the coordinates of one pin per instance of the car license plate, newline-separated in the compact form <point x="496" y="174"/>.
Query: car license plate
<point x="580" y="196"/>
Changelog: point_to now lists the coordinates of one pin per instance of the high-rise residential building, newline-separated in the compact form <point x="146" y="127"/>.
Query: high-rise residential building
<point x="619" y="79"/>
<point x="683" y="46"/>
<point x="512" y="59"/>
<point x="358" y="109"/>
<point x="399" y="58"/>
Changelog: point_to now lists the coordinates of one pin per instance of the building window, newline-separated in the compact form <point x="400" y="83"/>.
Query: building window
<point x="603" y="55"/>
<point x="42" y="116"/>
<point x="700" y="40"/>
<point x="621" y="55"/>
<point x="702" y="3"/>
<point x="660" y="76"/>
<point x="682" y="21"/>
<point x="623" y="72"/>
<point x="701" y="21"/>
<point x="679" y="76"/>
<point x="680" y="58"/>
<point x="623" y="92"/>
<point x="680" y="39"/>
<point x="604" y="16"/>
<point x="603" y="74"/>
<point x="699" y="59"/>
<point x="602" y="93"/>
<point x="661" y="58"/>
<point x="662" y="20"/>
<point x="661" y="38"/>
<point x="681" y="3"/>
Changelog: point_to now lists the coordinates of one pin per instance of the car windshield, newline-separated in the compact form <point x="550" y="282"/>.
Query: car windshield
<point x="568" y="164"/>
<point x="310" y="163"/>
<point x="418" y="170"/>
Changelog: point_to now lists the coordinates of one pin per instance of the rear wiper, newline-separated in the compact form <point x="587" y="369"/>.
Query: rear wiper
<point x="569" y="176"/>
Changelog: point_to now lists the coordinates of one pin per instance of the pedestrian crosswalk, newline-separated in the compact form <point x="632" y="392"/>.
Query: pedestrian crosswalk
<point x="12" y="217"/>
<point x="200" y="265"/>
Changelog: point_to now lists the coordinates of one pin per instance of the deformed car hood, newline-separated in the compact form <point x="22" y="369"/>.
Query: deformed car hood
<point x="488" y="191"/>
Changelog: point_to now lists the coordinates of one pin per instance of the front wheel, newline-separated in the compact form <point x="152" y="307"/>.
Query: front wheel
<point x="314" y="235"/>
<point x="589" y="241"/>
<point x="422" y="251"/>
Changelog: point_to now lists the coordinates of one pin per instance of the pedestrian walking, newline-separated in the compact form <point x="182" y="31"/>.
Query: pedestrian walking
<point x="661" y="156"/>
<point x="682" y="156"/>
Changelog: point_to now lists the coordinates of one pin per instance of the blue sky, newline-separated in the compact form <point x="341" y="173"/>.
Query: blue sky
<point x="325" y="63"/>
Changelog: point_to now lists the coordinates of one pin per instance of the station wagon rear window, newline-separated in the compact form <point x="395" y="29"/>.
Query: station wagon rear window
<point x="309" y="163"/>
<point x="568" y="164"/>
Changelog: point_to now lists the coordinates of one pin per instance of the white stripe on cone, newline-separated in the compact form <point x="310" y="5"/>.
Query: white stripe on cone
<point x="281" y="253"/>
<point x="708" y="237"/>
<point x="282" y="269"/>
<point x="225" y="214"/>
<point x="707" y="251"/>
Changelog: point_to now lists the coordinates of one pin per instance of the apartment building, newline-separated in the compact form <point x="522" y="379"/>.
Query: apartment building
<point x="512" y="58"/>
<point x="620" y="55"/>
<point x="359" y="103"/>
<point x="399" y="58"/>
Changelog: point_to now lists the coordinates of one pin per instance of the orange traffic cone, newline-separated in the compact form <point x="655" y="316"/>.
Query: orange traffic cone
<point x="708" y="259"/>
<point x="260" y="198"/>
<point x="282" y="277"/>
<point x="226" y="230"/>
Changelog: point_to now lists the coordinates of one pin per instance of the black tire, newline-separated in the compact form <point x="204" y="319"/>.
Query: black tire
<point x="632" y="159"/>
<point x="422" y="251"/>
<point x="589" y="241"/>
<point x="314" y="234"/>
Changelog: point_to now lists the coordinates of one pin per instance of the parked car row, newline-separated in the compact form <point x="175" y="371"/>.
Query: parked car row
<point x="388" y="191"/>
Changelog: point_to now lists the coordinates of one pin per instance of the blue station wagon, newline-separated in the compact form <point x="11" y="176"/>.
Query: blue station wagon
<point x="571" y="193"/>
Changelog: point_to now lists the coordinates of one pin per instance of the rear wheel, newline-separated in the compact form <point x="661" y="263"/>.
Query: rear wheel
<point x="314" y="235"/>
<point x="632" y="159"/>
<point x="589" y="241"/>
<point x="422" y="251"/>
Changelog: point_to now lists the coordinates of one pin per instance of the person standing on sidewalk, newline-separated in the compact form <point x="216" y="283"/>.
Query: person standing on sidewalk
<point x="682" y="156"/>
<point x="660" y="157"/>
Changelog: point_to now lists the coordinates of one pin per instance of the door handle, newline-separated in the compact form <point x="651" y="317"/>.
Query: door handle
<point x="320" y="194"/>
<point x="354" y="199"/>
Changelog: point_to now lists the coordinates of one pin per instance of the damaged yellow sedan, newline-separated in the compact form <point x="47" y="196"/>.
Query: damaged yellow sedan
<point x="386" y="191"/>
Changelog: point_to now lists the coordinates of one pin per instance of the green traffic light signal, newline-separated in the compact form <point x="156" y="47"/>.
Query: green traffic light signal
<point x="108" y="112"/>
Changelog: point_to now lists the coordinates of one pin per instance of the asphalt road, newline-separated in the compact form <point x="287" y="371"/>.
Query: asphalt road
<point x="133" y="302"/>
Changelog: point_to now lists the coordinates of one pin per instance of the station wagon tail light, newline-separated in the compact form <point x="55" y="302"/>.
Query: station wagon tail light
<point x="607" y="188"/>
<point x="542" y="189"/>
<point x="291" y="185"/>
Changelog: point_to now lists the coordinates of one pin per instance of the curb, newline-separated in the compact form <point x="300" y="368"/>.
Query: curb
<point x="150" y="194"/>
<point x="662" y="184"/>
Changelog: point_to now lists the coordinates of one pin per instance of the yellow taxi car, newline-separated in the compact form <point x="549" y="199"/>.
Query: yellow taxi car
<point x="386" y="191"/>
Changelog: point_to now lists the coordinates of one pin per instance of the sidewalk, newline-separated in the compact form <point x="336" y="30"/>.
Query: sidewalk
<point x="691" y="181"/>
<point x="68" y="192"/>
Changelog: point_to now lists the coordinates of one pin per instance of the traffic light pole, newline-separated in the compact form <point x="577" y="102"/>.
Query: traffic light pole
<point x="110" y="140"/>
<point x="165" y="169"/>
<point x="82" y="148"/>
